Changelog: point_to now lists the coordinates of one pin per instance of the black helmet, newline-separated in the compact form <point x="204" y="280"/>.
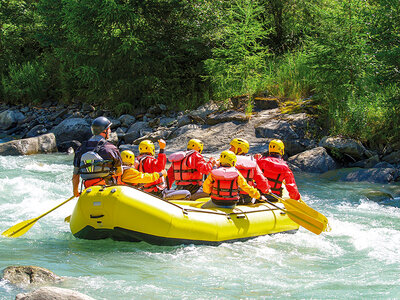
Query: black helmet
<point x="100" y="124"/>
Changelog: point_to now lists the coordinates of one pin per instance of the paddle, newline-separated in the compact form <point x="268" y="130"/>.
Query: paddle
<point x="292" y="204"/>
<point x="308" y="222"/>
<point x="21" y="228"/>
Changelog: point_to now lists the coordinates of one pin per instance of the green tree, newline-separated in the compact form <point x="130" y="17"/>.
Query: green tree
<point x="238" y="61"/>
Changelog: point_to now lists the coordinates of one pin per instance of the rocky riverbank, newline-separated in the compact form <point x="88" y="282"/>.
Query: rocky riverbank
<point x="53" y="127"/>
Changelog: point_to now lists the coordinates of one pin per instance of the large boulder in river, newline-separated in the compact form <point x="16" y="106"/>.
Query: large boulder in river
<point x="378" y="175"/>
<point x="72" y="129"/>
<point x="53" y="293"/>
<point x="27" y="275"/>
<point x="10" y="118"/>
<point x="45" y="143"/>
<point x="316" y="160"/>
<point x="344" y="149"/>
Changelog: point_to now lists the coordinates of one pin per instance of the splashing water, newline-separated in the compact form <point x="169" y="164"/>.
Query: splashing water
<point x="359" y="258"/>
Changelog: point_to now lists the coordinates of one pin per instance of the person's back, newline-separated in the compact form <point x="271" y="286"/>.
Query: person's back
<point x="247" y="166"/>
<point x="277" y="171"/>
<point x="188" y="168"/>
<point x="133" y="177"/>
<point x="97" y="161"/>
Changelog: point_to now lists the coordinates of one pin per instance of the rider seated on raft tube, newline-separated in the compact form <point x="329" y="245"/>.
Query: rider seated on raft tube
<point x="188" y="168"/>
<point x="97" y="161"/>
<point x="247" y="166"/>
<point x="277" y="171"/>
<point x="224" y="182"/>
<point x="148" y="181"/>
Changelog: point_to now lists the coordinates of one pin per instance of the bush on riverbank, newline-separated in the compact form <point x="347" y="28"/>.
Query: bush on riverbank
<point x="124" y="55"/>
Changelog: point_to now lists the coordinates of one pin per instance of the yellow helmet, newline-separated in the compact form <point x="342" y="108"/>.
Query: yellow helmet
<point x="128" y="158"/>
<point x="276" y="146"/>
<point x="227" y="157"/>
<point x="147" y="146"/>
<point x="241" y="144"/>
<point x="195" y="144"/>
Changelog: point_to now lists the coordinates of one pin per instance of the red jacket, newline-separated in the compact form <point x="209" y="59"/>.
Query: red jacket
<point x="150" y="164"/>
<point x="191" y="160"/>
<point x="276" y="170"/>
<point x="248" y="167"/>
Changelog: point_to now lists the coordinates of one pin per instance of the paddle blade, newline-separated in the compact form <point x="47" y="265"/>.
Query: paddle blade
<point x="67" y="219"/>
<point x="20" y="228"/>
<point x="294" y="205"/>
<point x="306" y="221"/>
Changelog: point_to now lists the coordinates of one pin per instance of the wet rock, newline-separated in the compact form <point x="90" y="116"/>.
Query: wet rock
<point x="316" y="160"/>
<point x="10" y="118"/>
<point x="72" y="129"/>
<point x="53" y="293"/>
<point x="377" y="196"/>
<point x="378" y="175"/>
<point x="42" y="144"/>
<point x="366" y="163"/>
<point x="343" y="149"/>
<point x="27" y="275"/>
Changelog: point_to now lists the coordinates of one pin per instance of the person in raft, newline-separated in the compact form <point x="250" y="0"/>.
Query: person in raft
<point x="133" y="177"/>
<point x="223" y="183"/>
<point x="247" y="166"/>
<point x="188" y="167"/>
<point x="97" y="161"/>
<point x="146" y="162"/>
<point x="277" y="171"/>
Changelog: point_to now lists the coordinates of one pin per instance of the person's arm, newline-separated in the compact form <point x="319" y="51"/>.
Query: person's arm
<point x="132" y="176"/>
<point x="261" y="181"/>
<point x="253" y="192"/>
<point x="75" y="184"/>
<point x="208" y="184"/>
<point x="200" y="164"/>
<point x="171" y="176"/>
<point x="291" y="186"/>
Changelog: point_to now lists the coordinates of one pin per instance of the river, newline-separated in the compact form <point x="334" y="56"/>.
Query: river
<point x="359" y="258"/>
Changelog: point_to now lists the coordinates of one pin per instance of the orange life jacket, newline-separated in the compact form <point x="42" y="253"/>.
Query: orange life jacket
<point x="182" y="173"/>
<point x="246" y="166"/>
<point x="225" y="186"/>
<point x="156" y="186"/>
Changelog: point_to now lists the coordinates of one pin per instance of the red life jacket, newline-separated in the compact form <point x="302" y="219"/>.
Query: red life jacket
<point x="246" y="166"/>
<point x="182" y="173"/>
<point x="274" y="174"/>
<point x="225" y="186"/>
<point x="154" y="186"/>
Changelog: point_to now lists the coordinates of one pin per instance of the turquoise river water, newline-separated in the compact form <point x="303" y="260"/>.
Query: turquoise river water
<point x="358" y="259"/>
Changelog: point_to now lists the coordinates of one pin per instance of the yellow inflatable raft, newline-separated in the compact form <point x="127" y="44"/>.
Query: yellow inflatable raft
<point x="127" y="214"/>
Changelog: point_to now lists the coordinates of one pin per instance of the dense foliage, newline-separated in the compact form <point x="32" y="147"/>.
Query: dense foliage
<point x="123" y="54"/>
